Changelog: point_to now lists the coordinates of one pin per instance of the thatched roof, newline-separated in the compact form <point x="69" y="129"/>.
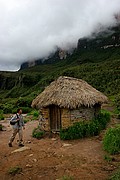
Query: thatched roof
<point x="70" y="93"/>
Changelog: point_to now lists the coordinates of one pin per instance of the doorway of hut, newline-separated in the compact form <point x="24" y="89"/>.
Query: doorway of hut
<point x="55" y="118"/>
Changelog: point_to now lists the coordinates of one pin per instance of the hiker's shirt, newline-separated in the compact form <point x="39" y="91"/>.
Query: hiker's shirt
<point x="19" y="124"/>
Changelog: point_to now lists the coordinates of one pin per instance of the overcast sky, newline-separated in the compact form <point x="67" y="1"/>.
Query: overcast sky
<point x="31" y="29"/>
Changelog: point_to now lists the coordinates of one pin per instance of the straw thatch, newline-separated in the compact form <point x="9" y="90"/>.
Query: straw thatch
<point x="68" y="92"/>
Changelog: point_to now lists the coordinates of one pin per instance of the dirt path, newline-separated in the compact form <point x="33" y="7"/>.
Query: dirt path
<point x="53" y="159"/>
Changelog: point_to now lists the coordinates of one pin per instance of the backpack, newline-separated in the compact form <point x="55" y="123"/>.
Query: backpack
<point x="13" y="122"/>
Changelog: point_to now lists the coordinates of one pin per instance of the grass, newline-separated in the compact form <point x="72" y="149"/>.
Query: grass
<point x="35" y="113"/>
<point x="116" y="175"/>
<point x="15" y="170"/>
<point x="1" y="115"/>
<point x="38" y="133"/>
<point x="117" y="113"/>
<point x="67" y="178"/>
<point x="108" y="158"/>
<point x="111" y="140"/>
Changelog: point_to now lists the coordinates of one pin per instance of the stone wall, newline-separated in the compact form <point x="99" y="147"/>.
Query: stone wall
<point x="83" y="113"/>
<point x="69" y="117"/>
<point x="45" y="112"/>
<point x="65" y="118"/>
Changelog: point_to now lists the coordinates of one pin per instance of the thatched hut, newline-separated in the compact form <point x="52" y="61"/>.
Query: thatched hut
<point x="68" y="100"/>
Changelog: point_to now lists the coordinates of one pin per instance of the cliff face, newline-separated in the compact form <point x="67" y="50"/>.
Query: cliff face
<point x="60" y="54"/>
<point x="102" y="40"/>
<point x="29" y="64"/>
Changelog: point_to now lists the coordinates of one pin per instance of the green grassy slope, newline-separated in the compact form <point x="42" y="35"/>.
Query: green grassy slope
<point x="102" y="74"/>
<point x="98" y="66"/>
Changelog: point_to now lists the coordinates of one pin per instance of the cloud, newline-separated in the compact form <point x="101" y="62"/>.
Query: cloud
<point x="33" y="29"/>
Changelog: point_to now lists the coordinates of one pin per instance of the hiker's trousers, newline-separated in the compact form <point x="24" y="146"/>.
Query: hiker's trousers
<point x="20" y="134"/>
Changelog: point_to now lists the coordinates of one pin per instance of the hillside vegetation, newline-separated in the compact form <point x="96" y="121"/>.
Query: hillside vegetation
<point x="94" y="61"/>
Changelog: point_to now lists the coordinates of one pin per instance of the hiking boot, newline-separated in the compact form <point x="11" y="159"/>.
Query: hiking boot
<point x="21" y="145"/>
<point x="10" y="145"/>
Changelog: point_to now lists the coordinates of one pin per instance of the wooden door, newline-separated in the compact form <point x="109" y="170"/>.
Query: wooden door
<point x="55" y="118"/>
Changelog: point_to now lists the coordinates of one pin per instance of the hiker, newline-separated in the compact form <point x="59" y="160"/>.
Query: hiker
<point x="17" y="125"/>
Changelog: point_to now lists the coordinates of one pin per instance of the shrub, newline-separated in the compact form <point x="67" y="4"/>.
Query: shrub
<point x="86" y="129"/>
<point x="35" y="113"/>
<point x="103" y="118"/>
<point x="1" y="127"/>
<point x="7" y="108"/>
<point x="26" y="120"/>
<point x="1" y="111"/>
<point x="14" y="111"/>
<point x="117" y="102"/>
<point x="118" y="116"/>
<point x="67" y="178"/>
<point x="1" y="117"/>
<point x="26" y="109"/>
<point x="24" y="102"/>
<point x="15" y="170"/>
<point x="37" y="133"/>
<point x="111" y="141"/>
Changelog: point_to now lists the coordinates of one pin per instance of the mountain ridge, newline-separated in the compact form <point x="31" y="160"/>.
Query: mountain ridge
<point x="104" y="39"/>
